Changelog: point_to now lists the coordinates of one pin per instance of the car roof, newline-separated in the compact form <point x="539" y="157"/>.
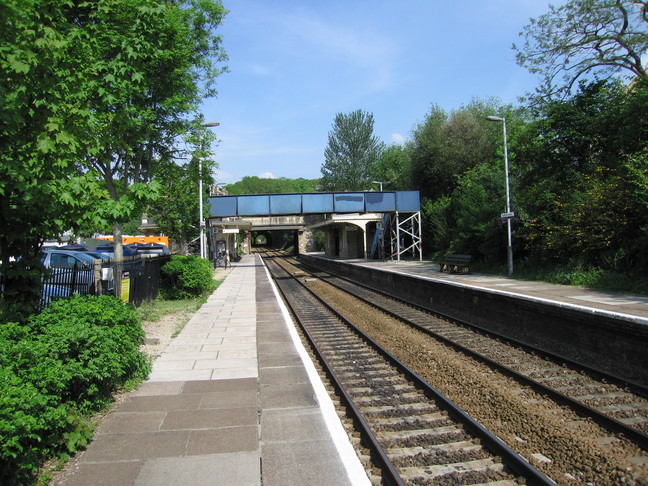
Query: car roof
<point x="81" y="255"/>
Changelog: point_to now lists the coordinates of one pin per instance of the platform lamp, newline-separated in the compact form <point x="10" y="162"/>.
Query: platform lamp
<point x="201" y="221"/>
<point x="381" y="183"/>
<point x="508" y="215"/>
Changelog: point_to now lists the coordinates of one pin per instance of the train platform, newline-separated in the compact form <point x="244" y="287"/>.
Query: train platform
<point x="578" y="297"/>
<point x="233" y="400"/>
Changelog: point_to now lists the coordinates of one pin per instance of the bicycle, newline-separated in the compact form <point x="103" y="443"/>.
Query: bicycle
<point x="221" y="260"/>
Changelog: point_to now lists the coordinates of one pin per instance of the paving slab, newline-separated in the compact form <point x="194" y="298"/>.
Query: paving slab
<point x="228" y="402"/>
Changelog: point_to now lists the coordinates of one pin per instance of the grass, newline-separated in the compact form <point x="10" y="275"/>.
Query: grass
<point x="153" y="310"/>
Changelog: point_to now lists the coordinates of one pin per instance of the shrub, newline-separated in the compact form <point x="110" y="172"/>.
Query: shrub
<point x="31" y="425"/>
<point x="63" y="364"/>
<point x="92" y="343"/>
<point x="186" y="277"/>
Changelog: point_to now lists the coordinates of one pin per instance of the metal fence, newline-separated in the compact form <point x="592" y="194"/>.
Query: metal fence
<point x="145" y="278"/>
<point x="63" y="282"/>
<point x="140" y="277"/>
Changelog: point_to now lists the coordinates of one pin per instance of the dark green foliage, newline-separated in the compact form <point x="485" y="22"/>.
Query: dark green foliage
<point x="351" y="152"/>
<point x="393" y="169"/>
<point x="60" y="367"/>
<point x="93" y="97"/>
<point x="281" y="185"/>
<point x="31" y="426"/>
<point x="94" y="342"/>
<point x="582" y="172"/>
<point x="186" y="277"/>
<point x="446" y="145"/>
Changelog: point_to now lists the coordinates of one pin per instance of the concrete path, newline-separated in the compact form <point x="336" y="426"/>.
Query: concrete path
<point x="233" y="400"/>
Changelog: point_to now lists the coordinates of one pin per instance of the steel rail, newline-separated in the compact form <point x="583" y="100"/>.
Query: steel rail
<point x="637" y="437"/>
<point x="390" y="474"/>
<point x="516" y="462"/>
<point x="615" y="379"/>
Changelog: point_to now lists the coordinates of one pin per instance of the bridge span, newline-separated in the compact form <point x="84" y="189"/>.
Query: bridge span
<point x="357" y="224"/>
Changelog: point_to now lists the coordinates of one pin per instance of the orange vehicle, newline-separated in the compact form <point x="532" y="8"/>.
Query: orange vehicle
<point x="126" y="240"/>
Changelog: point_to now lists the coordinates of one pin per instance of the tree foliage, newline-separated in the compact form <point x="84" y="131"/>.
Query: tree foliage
<point x="582" y="163"/>
<point x="393" y="168"/>
<point x="148" y="66"/>
<point x="281" y="185"/>
<point x="446" y="145"/>
<point x="176" y="211"/>
<point x="40" y="190"/>
<point x="351" y="152"/>
<point x="93" y="96"/>
<point x="581" y="37"/>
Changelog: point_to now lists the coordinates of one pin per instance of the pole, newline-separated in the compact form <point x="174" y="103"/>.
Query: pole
<point x="509" y="248"/>
<point x="200" y="210"/>
<point x="201" y="221"/>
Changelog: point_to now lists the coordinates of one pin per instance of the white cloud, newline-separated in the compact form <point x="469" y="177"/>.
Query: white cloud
<point x="398" y="138"/>
<point x="259" y="70"/>
<point x="267" y="175"/>
<point x="365" y="50"/>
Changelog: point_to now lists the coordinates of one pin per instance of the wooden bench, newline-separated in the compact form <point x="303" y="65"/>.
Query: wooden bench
<point x="456" y="263"/>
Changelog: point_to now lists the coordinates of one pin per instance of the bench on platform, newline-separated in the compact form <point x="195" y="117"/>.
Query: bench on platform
<point x="456" y="263"/>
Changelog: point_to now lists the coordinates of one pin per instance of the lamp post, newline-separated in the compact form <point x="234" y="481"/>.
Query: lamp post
<point x="201" y="221"/>
<point x="508" y="215"/>
<point x="381" y="183"/>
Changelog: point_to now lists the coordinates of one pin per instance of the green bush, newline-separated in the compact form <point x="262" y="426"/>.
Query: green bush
<point x="31" y="425"/>
<point x="93" y="344"/>
<point x="62" y="365"/>
<point x="186" y="277"/>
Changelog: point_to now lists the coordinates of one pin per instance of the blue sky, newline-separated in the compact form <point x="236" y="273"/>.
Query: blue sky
<point x="295" y="64"/>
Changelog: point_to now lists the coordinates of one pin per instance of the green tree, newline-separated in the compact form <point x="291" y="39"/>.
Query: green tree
<point x="351" y="152"/>
<point x="581" y="167"/>
<point x="94" y="97"/>
<point x="598" y="37"/>
<point x="445" y="146"/>
<point x="393" y="167"/>
<point x="281" y="185"/>
<point x="176" y="211"/>
<point x="149" y="65"/>
<point x="41" y="192"/>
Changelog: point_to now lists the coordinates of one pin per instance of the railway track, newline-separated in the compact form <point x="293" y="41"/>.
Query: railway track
<point x="416" y="435"/>
<point x="618" y="406"/>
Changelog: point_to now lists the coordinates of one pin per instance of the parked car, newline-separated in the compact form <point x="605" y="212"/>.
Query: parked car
<point x="149" y="249"/>
<point x="110" y="248"/>
<point x="70" y="269"/>
<point x="51" y="292"/>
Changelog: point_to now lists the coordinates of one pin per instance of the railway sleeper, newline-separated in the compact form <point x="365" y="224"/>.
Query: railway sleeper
<point x="385" y="386"/>
<point x="394" y="435"/>
<point x="597" y="396"/>
<point x="403" y="452"/>
<point x="624" y="407"/>
<point x="480" y="466"/>
<point x="390" y="401"/>
<point x="428" y="417"/>
<point x="410" y="409"/>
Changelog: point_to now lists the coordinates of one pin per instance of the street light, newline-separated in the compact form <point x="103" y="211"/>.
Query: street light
<point x="381" y="183"/>
<point x="508" y="215"/>
<point x="201" y="221"/>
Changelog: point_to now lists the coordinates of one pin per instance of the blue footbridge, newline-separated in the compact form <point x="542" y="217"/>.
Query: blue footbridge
<point x="389" y="221"/>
